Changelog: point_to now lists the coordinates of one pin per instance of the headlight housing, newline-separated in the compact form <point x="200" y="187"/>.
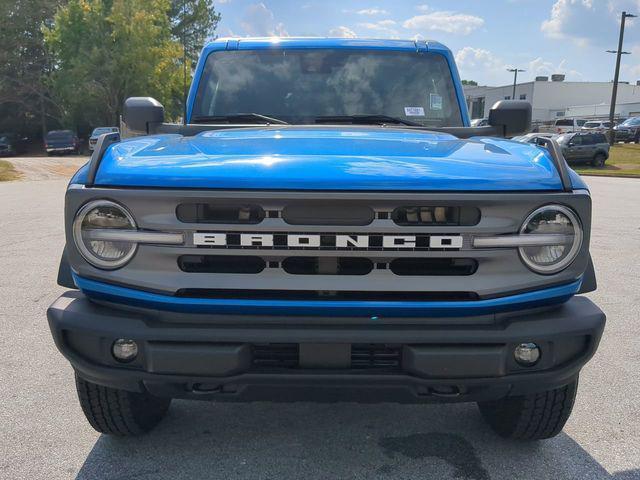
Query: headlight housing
<point x="554" y="220"/>
<point x="93" y="219"/>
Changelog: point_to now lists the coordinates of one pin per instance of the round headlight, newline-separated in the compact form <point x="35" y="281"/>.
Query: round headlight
<point x="96" y="217"/>
<point x="556" y="222"/>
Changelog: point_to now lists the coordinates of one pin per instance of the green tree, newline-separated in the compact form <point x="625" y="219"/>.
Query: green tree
<point x="108" y="50"/>
<point x="26" y="105"/>
<point x="195" y="21"/>
<point x="471" y="83"/>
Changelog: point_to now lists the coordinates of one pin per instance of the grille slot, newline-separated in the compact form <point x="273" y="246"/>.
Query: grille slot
<point x="221" y="264"/>
<point x="377" y="356"/>
<point x="220" y="213"/>
<point x="434" y="266"/>
<point x="275" y="355"/>
<point x="436" y="216"/>
<point x="266" y="356"/>
<point x="326" y="295"/>
<point x="327" y="213"/>
<point x="327" y="265"/>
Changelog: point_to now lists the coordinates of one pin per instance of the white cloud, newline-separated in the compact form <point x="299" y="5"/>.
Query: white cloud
<point x="384" y="27"/>
<point x="372" y="11"/>
<point x="422" y="8"/>
<point x="444" y="21"/>
<point x="470" y="59"/>
<point x="538" y="66"/>
<point x="259" y="21"/>
<point x="486" y="68"/>
<point x="342" y="32"/>
<point x="586" y="22"/>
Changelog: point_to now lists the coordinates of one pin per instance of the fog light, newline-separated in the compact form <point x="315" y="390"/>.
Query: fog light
<point x="527" y="354"/>
<point x="124" y="350"/>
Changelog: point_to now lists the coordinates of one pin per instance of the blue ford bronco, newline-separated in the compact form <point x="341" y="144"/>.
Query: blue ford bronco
<point x="326" y="226"/>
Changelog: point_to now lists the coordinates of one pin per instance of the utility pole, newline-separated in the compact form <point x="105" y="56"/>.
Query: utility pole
<point x="515" y="80"/>
<point x="614" y="92"/>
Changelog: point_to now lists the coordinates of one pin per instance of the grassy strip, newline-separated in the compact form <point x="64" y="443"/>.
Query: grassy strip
<point x="7" y="172"/>
<point x="624" y="161"/>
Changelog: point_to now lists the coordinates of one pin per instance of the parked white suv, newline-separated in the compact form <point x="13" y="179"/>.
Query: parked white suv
<point x="596" y="126"/>
<point x="568" y="125"/>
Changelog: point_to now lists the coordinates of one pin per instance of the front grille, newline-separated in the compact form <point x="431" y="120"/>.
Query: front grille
<point x="326" y="295"/>
<point x="327" y="266"/>
<point x="327" y="213"/>
<point x="221" y="264"/>
<point x="378" y="356"/>
<point x="435" y="216"/>
<point x="269" y="356"/>
<point x="275" y="355"/>
<point x="221" y="213"/>
<point x="434" y="266"/>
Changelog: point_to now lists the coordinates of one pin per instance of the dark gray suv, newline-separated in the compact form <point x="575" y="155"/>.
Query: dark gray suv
<point x="585" y="147"/>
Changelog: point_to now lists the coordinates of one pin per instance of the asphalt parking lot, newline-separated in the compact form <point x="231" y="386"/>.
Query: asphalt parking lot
<point x="44" y="434"/>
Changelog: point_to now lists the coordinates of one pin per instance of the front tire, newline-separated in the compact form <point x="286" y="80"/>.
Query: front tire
<point x="598" y="160"/>
<point x="119" y="412"/>
<point x="531" y="417"/>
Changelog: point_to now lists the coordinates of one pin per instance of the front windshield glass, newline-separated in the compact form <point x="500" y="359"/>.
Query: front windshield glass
<point x="102" y="130"/>
<point x="298" y="86"/>
<point x="60" y="135"/>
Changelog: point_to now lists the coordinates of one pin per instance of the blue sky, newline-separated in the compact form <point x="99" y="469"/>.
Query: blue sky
<point x="486" y="36"/>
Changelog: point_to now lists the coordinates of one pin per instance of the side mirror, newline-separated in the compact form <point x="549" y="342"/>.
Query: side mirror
<point x="139" y="112"/>
<point x="513" y="117"/>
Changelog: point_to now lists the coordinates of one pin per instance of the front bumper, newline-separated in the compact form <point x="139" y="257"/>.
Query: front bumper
<point x="60" y="149"/>
<point x="194" y="355"/>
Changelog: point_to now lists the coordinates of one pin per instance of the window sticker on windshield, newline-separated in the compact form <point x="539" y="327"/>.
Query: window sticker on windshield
<point x="414" y="111"/>
<point x="435" y="101"/>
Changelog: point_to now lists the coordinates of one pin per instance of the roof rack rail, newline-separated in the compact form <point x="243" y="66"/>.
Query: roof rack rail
<point x="104" y="141"/>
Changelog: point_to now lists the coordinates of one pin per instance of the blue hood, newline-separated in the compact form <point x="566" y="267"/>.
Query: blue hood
<point x="327" y="158"/>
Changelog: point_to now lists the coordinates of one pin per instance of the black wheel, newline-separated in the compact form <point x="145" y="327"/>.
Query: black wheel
<point x="118" y="412"/>
<point x="598" y="160"/>
<point x="531" y="417"/>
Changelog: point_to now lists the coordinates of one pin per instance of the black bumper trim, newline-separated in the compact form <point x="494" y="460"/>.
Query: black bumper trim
<point x="440" y="362"/>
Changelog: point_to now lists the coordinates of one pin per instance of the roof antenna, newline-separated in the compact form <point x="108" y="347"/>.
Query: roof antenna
<point x="184" y="62"/>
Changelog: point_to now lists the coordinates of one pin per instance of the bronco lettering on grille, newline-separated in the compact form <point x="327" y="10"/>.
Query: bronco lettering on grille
<point x="326" y="241"/>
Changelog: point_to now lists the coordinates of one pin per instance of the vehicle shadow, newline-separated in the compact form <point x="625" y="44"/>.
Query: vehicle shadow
<point x="326" y="441"/>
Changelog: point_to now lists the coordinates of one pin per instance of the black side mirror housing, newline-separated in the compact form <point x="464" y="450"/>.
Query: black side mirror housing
<point x="513" y="117"/>
<point x="141" y="112"/>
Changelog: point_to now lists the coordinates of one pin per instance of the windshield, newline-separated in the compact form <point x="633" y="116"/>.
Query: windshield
<point x="101" y="130"/>
<point x="564" y="123"/>
<point x="298" y="86"/>
<point x="631" y="121"/>
<point x="60" y="135"/>
<point x="592" y="124"/>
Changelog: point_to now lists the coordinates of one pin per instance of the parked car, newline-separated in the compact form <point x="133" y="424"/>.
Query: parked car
<point x="585" y="147"/>
<point x="597" y="126"/>
<point x="12" y="144"/>
<point x="568" y="125"/>
<point x="311" y="252"/>
<point x="628" y="131"/>
<point x="61" y="141"/>
<point x="532" y="137"/>
<point x="100" y="131"/>
<point x="480" y="122"/>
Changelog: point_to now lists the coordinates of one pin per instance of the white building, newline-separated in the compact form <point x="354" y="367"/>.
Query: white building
<point x="553" y="99"/>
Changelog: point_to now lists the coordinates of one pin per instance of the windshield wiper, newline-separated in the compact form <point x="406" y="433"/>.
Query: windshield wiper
<point x="366" y="119"/>
<point x="238" y="118"/>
